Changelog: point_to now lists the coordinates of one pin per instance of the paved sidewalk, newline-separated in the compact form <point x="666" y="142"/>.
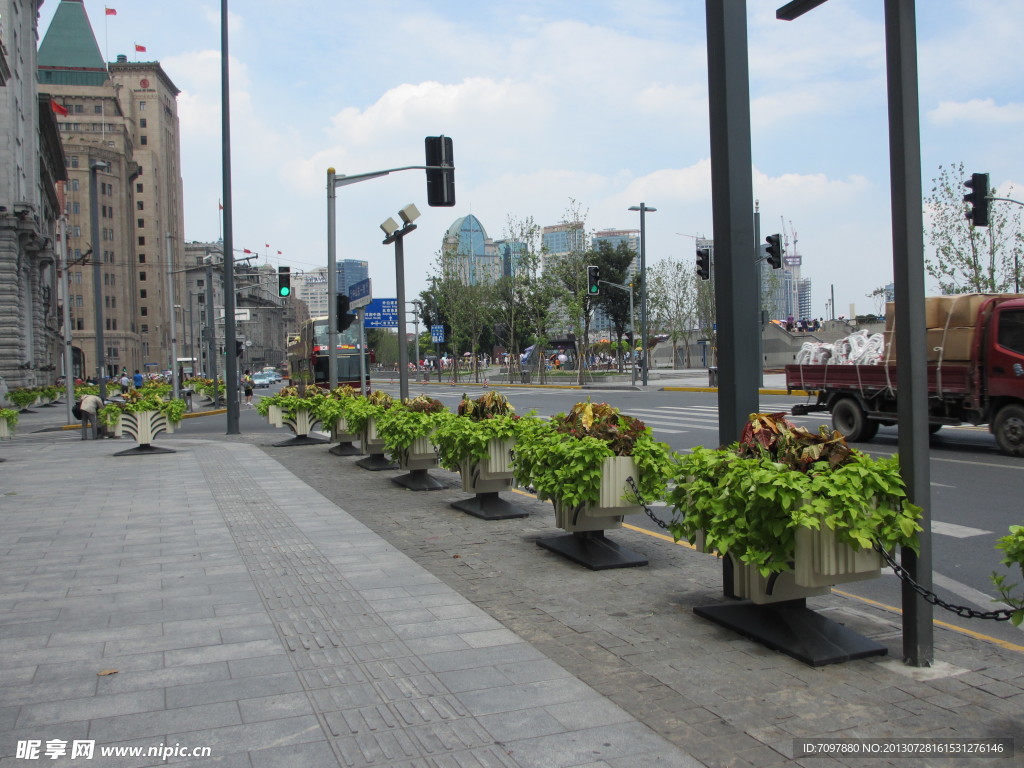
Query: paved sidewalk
<point x="283" y="607"/>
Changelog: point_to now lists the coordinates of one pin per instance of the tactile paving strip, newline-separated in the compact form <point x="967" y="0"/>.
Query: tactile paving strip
<point x="376" y="702"/>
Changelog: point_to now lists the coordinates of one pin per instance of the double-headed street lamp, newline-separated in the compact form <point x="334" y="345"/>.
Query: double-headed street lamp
<point x="645" y="358"/>
<point x="395" y="234"/>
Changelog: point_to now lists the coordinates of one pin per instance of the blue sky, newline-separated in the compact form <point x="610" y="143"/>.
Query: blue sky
<point x="603" y="102"/>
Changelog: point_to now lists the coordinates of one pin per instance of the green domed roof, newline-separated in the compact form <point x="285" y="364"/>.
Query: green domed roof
<point x="69" y="54"/>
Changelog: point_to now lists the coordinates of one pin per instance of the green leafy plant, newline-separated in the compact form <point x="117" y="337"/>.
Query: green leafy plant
<point x="479" y="421"/>
<point x="290" y="402"/>
<point x="109" y="414"/>
<point x="49" y="393"/>
<point x="361" y="409"/>
<point x="750" y="498"/>
<point x="11" y="417"/>
<point x="564" y="458"/>
<point x="140" y="401"/>
<point x="22" y="397"/>
<point x="1012" y="546"/>
<point x="402" y="424"/>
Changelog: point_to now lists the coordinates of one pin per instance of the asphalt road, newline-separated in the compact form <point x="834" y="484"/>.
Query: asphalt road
<point x="974" y="488"/>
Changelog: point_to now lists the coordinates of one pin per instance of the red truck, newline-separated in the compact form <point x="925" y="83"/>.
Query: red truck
<point x="983" y="385"/>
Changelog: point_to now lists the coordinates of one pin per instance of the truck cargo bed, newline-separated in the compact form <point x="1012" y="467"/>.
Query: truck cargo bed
<point x="954" y="378"/>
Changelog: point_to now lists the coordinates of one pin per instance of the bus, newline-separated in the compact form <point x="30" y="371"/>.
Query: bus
<point x="308" y="356"/>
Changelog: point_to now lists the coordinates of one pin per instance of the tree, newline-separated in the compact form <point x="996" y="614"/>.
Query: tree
<point x="672" y="302"/>
<point x="522" y="297"/>
<point x="971" y="259"/>
<point x="570" y="272"/>
<point x="614" y="265"/>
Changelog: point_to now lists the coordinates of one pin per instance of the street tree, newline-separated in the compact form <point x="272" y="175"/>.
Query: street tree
<point x="970" y="259"/>
<point x="672" y="302"/>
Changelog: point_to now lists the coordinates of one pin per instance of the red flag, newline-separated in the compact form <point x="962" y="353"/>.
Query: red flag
<point x="266" y="245"/>
<point x="58" y="108"/>
<point x="220" y="206"/>
<point x="111" y="11"/>
<point x="278" y="253"/>
<point x="140" y="48"/>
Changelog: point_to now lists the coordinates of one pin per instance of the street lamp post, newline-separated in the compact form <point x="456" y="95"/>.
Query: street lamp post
<point x="396" y="235"/>
<point x="646" y="357"/>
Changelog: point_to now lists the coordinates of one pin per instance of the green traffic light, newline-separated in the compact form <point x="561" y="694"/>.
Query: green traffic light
<point x="593" y="289"/>
<point x="285" y="291"/>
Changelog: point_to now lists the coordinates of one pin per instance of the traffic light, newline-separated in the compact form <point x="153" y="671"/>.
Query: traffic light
<point x="239" y="346"/>
<point x="774" y="250"/>
<point x="593" y="280"/>
<point x="440" y="172"/>
<point x="341" y="315"/>
<point x="978" y="198"/>
<point x="704" y="263"/>
<point x="284" y="282"/>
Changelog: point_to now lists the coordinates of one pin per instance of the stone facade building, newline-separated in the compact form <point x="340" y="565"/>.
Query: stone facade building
<point x="31" y="166"/>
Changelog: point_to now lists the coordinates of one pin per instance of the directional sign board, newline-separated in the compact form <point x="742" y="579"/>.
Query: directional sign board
<point x="359" y="294"/>
<point x="437" y="334"/>
<point x="381" y="313"/>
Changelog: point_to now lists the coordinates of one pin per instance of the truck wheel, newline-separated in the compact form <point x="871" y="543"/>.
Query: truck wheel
<point x="849" y="419"/>
<point x="1009" y="429"/>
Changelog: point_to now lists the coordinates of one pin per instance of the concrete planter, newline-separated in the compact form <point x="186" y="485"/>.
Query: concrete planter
<point x="371" y="442"/>
<point x="340" y="431"/>
<point x="5" y="431"/>
<point x="493" y="474"/>
<point x="820" y="560"/>
<point x="611" y="506"/>
<point x="301" y="423"/>
<point x="144" y="426"/>
<point x="419" y="455"/>
<point x="275" y="416"/>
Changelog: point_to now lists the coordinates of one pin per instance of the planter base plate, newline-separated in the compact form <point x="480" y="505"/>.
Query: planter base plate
<point x="419" y="480"/>
<point x="489" y="506"/>
<point x="299" y="440"/>
<point x="592" y="550"/>
<point x="345" y="449"/>
<point x="144" y="449"/>
<point x="794" y="629"/>
<point x="376" y="462"/>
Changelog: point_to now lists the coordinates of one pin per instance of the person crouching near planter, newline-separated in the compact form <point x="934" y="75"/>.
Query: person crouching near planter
<point x="89" y="407"/>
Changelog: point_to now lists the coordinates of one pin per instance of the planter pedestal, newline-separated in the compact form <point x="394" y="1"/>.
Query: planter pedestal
<point x="486" y="479"/>
<point x="586" y="543"/>
<point x="794" y="629"/>
<point x="418" y="459"/>
<point x="593" y="550"/>
<point x="374" y="446"/>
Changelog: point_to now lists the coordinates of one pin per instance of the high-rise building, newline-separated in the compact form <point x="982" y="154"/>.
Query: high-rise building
<point x="560" y="239"/>
<point x="350" y="272"/>
<point x="31" y="169"/>
<point x="475" y="257"/>
<point x="121" y="126"/>
<point x="311" y="287"/>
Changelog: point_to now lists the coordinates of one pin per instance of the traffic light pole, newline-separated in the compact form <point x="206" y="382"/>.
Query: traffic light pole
<point x="632" y="318"/>
<point x="333" y="182"/>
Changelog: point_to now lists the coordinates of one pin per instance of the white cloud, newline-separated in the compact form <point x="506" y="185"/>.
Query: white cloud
<point x="981" y="111"/>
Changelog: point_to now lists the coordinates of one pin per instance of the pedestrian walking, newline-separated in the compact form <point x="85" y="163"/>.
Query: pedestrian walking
<point x="137" y="379"/>
<point x="88" y="408"/>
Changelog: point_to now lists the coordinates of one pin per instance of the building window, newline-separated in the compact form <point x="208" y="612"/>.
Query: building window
<point x="142" y="106"/>
<point x="142" y="295"/>
<point x="143" y="140"/>
<point x="142" y="277"/>
<point x="201" y="298"/>
<point x="140" y="223"/>
<point x="139" y="205"/>
<point x="144" y="311"/>
<point x="142" y="240"/>
<point x="138" y="188"/>
<point x="76" y="231"/>
<point x="97" y="109"/>
<point x="74" y="185"/>
<point x="73" y="161"/>
<point x="80" y="324"/>
<point x="112" y="352"/>
<point x="142" y="123"/>
<point x="143" y="328"/>
<point x="79" y="109"/>
<point x="142" y="258"/>
<point x="78" y="301"/>
<point x="76" y="209"/>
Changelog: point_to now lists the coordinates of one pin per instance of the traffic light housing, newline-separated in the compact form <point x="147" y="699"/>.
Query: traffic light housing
<point x="440" y="171"/>
<point x="978" y="198"/>
<point x="774" y="250"/>
<point x="593" y="280"/>
<point x="284" y="282"/>
<point x="239" y="346"/>
<point x="341" y="315"/>
<point x="704" y="263"/>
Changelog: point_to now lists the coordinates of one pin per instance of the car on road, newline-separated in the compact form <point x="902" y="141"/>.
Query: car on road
<point x="262" y="380"/>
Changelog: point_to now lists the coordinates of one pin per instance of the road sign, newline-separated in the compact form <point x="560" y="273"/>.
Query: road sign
<point x="381" y="313"/>
<point x="359" y="294"/>
<point x="437" y="334"/>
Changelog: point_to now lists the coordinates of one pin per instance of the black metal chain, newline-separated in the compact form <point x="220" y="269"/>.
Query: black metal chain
<point x="930" y="597"/>
<point x="636" y="492"/>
